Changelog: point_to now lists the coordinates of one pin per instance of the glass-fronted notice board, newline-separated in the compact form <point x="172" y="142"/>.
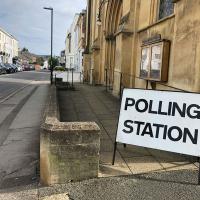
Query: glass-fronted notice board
<point x="155" y="61"/>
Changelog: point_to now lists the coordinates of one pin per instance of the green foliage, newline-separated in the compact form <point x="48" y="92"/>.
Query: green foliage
<point x="59" y="68"/>
<point x="55" y="62"/>
<point x="25" y="49"/>
<point x="40" y="61"/>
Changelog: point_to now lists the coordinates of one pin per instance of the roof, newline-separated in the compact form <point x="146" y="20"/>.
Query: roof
<point x="8" y="34"/>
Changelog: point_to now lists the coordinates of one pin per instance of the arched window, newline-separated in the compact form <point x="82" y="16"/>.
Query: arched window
<point x="166" y="8"/>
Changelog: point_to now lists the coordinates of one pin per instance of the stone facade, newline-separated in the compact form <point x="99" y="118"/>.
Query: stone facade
<point x="69" y="151"/>
<point x="116" y="30"/>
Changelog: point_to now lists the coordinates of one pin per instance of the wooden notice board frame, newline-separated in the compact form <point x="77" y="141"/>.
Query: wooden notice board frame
<point x="157" y="69"/>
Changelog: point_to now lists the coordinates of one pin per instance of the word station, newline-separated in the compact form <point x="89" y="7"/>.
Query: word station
<point x="163" y="120"/>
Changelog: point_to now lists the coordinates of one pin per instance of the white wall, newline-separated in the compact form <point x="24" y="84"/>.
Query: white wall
<point x="70" y="56"/>
<point x="9" y="45"/>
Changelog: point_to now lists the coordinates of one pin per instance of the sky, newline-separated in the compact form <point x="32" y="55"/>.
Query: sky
<point x="30" y="23"/>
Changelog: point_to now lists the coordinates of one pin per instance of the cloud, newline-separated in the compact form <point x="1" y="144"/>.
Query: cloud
<point x="30" y="23"/>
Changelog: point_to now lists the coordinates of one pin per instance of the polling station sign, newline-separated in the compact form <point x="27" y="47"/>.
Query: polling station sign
<point x="161" y="120"/>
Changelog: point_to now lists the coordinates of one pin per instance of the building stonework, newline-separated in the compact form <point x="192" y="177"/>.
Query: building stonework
<point x="117" y="30"/>
<point x="8" y="47"/>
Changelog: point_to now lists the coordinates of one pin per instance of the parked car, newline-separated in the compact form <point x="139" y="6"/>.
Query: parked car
<point x="2" y="69"/>
<point x="14" y="67"/>
<point x="27" y="68"/>
<point x="32" y="67"/>
<point x="19" y="68"/>
<point x="9" y="68"/>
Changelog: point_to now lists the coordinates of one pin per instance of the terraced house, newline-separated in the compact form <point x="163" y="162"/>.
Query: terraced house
<point x="143" y="44"/>
<point x="8" y="47"/>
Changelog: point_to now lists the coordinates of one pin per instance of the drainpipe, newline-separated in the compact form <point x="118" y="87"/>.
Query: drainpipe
<point x="87" y="50"/>
<point x="88" y="26"/>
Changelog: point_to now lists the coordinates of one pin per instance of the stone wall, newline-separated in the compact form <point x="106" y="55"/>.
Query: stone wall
<point x="69" y="151"/>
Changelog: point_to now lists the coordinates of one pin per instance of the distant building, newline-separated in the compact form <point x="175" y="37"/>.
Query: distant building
<point x="75" y="42"/>
<point x="80" y="32"/>
<point x="27" y="57"/>
<point x="71" y="45"/>
<point x="9" y="46"/>
<point x="46" y="65"/>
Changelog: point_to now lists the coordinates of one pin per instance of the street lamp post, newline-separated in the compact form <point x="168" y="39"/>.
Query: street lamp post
<point x="51" y="69"/>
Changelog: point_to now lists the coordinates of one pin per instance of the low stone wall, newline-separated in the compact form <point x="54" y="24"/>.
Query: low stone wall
<point x="69" y="151"/>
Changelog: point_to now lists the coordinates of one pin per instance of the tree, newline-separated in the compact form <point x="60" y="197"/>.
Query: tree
<point x="25" y="49"/>
<point x="55" y="62"/>
<point x="40" y="61"/>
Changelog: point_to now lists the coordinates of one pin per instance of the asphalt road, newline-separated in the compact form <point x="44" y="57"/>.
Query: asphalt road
<point x="10" y="83"/>
<point x="22" y="100"/>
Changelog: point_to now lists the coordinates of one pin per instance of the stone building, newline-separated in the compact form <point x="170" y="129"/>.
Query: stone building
<point x="8" y="47"/>
<point x="143" y="44"/>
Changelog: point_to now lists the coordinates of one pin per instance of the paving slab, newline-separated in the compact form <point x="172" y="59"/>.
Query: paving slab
<point x="132" y="151"/>
<point x="143" y="164"/>
<point x="111" y="171"/>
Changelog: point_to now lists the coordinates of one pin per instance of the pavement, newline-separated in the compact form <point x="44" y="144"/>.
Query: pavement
<point x="139" y="173"/>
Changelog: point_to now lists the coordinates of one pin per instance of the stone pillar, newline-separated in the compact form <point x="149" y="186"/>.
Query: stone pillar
<point x="69" y="151"/>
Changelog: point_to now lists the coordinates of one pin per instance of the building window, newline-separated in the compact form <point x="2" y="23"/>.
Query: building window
<point x="71" y="62"/>
<point x="69" y="42"/>
<point x="166" y="8"/>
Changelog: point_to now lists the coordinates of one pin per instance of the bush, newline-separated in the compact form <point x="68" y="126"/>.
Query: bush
<point x="59" y="68"/>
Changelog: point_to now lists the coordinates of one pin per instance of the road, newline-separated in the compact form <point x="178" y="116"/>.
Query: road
<point x="22" y="100"/>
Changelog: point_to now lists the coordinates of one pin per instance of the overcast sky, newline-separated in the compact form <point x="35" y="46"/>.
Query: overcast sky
<point x="30" y="24"/>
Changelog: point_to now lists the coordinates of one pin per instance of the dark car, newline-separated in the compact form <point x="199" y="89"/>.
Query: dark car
<point x="2" y="69"/>
<point x="14" y="67"/>
<point x="27" y="68"/>
<point x="9" y="68"/>
<point x="32" y="67"/>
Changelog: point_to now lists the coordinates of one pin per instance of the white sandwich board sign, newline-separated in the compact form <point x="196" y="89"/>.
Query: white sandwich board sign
<point x="161" y="120"/>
